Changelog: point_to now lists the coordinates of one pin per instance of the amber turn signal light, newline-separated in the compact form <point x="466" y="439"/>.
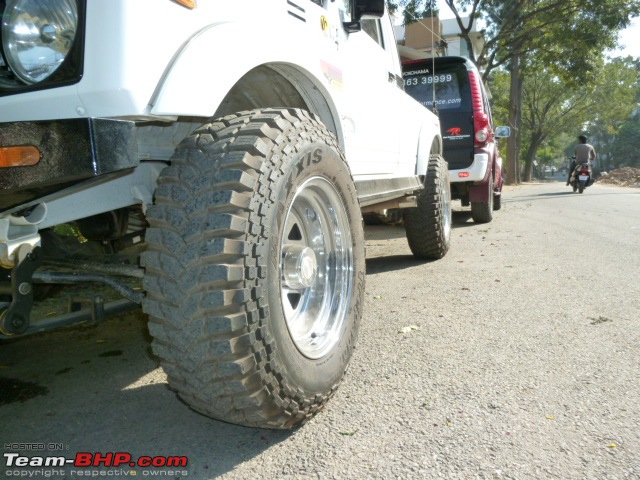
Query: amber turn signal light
<point x="187" y="3"/>
<point x="19" y="156"/>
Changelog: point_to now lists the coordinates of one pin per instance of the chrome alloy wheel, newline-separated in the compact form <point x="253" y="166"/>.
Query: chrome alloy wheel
<point x="316" y="267"/>
<point x="447" y="220"/>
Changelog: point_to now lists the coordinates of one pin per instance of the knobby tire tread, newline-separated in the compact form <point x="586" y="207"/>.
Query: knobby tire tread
<point x="205" y="269"/>
<point x="426" y="233"/>
<point x="482" y="212"/>
<point x="497" y="202"/>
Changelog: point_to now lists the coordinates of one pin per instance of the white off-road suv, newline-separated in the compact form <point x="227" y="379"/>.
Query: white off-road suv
<point x="222" y="154"/>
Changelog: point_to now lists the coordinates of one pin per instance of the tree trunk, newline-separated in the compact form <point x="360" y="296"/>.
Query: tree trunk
<point x="528" y="165"/>
<point x="515" y="106"/>
<point x="519" y="124"/>
<point x="536" y="141"/>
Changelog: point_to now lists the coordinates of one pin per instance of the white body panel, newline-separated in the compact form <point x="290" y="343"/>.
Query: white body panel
<point x="155" y="58"/>
<point x="476" y="172"/>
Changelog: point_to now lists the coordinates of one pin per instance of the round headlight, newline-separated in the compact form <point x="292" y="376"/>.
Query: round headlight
<point x="37" y="35"/>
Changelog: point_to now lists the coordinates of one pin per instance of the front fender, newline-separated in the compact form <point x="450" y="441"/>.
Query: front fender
<point x="207" y="67"/>
<point x="430" y="142"/>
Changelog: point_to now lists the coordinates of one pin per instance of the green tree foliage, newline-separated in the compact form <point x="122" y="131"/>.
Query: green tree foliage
<point x="549" y="107"/>
<point x="626" y="148"/>
<point x="565" y="34"/>
<point x="614" y="101"/>
<point x="556" y="112"/>
<point x="413" y="10"/>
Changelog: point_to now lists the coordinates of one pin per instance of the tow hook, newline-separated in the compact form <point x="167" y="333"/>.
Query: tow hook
<point x="15" y="318"/>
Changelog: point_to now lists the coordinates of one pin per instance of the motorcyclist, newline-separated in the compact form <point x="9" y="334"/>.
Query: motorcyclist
<point x="584" y="153"/>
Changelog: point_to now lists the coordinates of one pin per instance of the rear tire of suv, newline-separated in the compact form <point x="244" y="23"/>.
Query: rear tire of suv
<point x="255" y="268"/>
<point x="497" y="202"/>
<point x="482" y="212"/>
<point x="428" y="226"/>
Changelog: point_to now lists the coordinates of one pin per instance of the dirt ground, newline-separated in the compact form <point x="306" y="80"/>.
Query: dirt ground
<point x="623" y="177"/>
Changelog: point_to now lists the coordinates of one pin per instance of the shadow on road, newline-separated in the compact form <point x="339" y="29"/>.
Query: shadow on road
<point x="462" y="218"/>
<point x="392" y="263"/>
<point x="554" y="194"/>
<point x="99" y="389"/>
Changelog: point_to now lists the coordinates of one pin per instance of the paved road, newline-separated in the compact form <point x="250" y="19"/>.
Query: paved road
<point x="515" y="356"/>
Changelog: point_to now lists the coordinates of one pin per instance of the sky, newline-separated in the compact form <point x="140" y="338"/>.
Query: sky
<point x="629" y="38"/>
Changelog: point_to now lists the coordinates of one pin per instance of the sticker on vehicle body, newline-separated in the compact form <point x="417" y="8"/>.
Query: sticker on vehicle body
<point x="191" y="4"/>
<point x="416" y="72"/>
<point x="332" y="73"/>
<point x="455" y="133"/>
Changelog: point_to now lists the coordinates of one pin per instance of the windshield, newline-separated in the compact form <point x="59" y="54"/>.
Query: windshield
<point x="449" y="88"/>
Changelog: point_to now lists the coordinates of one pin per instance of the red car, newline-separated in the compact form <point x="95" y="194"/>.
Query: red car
<point x="452" y="87"/>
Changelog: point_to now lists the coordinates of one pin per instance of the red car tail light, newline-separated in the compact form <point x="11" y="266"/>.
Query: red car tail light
<point x="480" y="118"/>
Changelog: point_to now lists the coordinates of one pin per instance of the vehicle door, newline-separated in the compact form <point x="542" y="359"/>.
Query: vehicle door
<point x="370" y="95"/>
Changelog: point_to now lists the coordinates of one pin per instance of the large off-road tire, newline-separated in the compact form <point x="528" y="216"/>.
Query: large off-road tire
<point x="255" y="268"/>
<point x="428" y="226"/>
<point x="482" y="212"/>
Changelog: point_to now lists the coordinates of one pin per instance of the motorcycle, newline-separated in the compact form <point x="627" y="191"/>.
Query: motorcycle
<point x="581" y="178"/>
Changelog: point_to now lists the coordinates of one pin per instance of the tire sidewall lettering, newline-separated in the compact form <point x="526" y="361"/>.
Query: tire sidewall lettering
<point x="315" y="159"/>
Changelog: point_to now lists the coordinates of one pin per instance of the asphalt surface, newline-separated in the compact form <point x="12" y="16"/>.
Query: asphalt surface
<point x="517" y="356"/>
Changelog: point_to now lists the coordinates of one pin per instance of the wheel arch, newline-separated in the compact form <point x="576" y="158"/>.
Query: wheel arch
<point x="480" y="190"/>
<point x="281" y="85"/>
<point x="229" y="82"/>
<point x="428" y="144"/>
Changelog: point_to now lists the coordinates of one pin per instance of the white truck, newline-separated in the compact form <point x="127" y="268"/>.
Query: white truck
<point x="234" y="146"/>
